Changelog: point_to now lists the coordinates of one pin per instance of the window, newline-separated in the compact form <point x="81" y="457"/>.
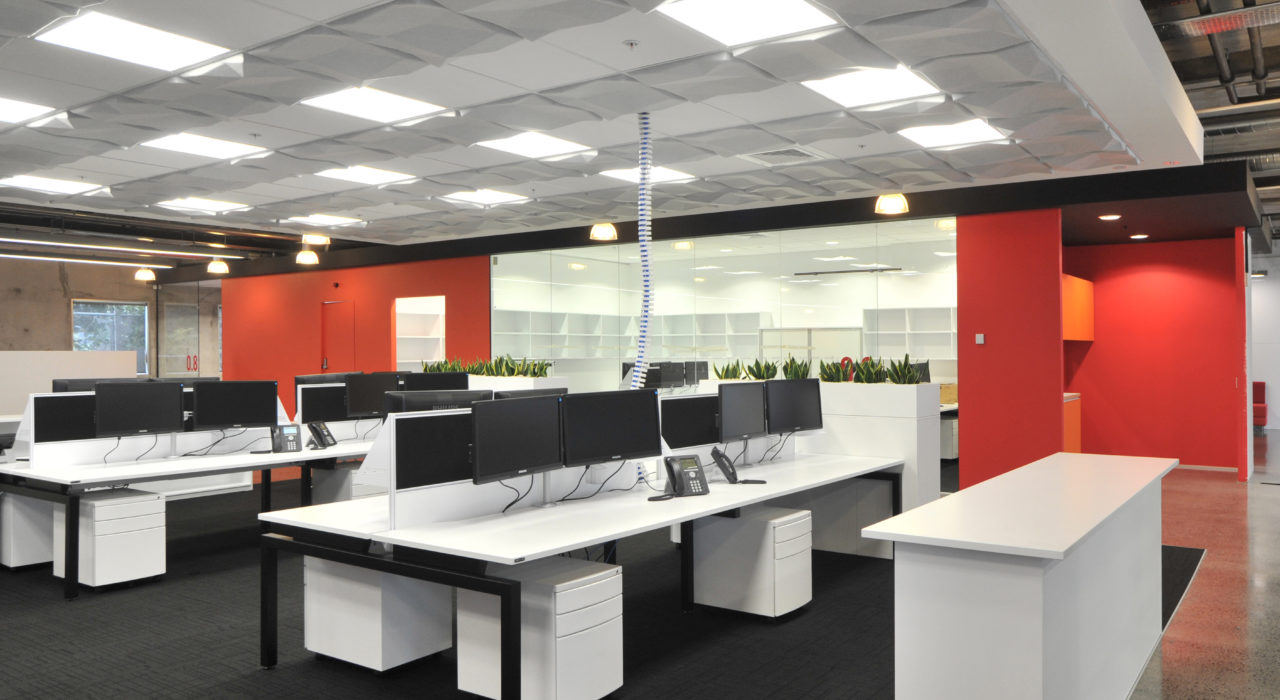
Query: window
<point x="110" y="325"/>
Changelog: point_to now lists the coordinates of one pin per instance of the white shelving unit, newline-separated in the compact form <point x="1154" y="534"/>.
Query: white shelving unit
<point x="419" y="331"/>
<point x="927" y="333"/>
<point x="552" y="335"/>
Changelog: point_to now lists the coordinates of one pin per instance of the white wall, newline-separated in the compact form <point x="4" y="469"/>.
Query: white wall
<point x="32" y="372"/>
<point x="1265" y="342"/>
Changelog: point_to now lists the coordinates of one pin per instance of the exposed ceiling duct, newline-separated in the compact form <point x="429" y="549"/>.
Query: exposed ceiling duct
<point x="1209" y="23"/>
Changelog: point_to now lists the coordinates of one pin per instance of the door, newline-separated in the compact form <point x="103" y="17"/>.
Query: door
<point x="337" y="337"/>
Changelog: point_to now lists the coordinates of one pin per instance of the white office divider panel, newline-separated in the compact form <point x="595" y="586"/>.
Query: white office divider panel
<point x="23" y="373"/>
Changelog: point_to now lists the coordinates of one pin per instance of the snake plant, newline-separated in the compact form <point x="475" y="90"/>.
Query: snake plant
<point x="903" y="372"/>
<point x="869" y="371"/>
<point x="795" y="369"/>
<point x="762" y="370"/>
<point x="833" y="372"/>
<point x="729" y="370"/>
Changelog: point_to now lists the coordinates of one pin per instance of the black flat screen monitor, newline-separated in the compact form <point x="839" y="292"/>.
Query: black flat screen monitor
<point x="652" y="375"/>
<point x="526" y="393"/>
<point x="436" y="381"/>
<point x="433" y="449"/>
<point x="61" y="385"/>
<point x="741" y="411"/>
<point x="690" y="420"/>
<point x="335" y="378"/>
<point x="672" y="374"/>
<point x="922" y="371"/>
<point x="405" y="401"/>
<point x="127" y="408"/>
<point x="64" y="418"/>
<point x="365" y="393"/>
<point x="605" y="426"/>
<point x="324" y="403"/>
<point x="514" y="437"/>
<point x="241" y="404"/>
<point x="793" y="404"/>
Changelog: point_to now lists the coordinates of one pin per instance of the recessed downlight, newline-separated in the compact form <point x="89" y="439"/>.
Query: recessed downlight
<point x="1108" y="217"/>
<point x="1139" y="236"/>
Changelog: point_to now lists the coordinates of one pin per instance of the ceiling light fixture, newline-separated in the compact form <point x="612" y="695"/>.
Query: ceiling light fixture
<point x="892" y="204"/>
<point x="122" y="249"/>
<point x="736" y="22"/>
<point x="14" y="111"/>
<point x="315" y="239"/>
<point x="365" y="175"/>
<point x="873" y="86"/>
<point x="948" y="224"/>
<point x="707" y="267"/>
<point x="198" y="145"/>
<point x="657" y="175"/>
<point x="1139" y="236"/>
<point x="202" y="205"/>
<point x="1258" y="273"/>
<point x="48" y="185"/>
<point x="373" y="104"/>
<point x="966" y="133"/>
<point x="682" y="245"/>
<point x="1108" y="217"/>
<point x="603" y="232"/>
<point x="699" y="279"/>
<point x="944" y="253"/>
<point x="144" y="274"/>
<point x="217" y="267"/>
<point x="307" y="257"/>
<point x="148" y="240"/>
<point x="833" y="242"/>
<point x="743" y="272"/>
<point x="324" y="220"/>
<point x="835" y="258"/>
<point x="86" y="261"/>
<point x="104" y="35"/>
<point x="532" y="144"/>
<point x="577" y="266"/>
<point x="485" y="198"/>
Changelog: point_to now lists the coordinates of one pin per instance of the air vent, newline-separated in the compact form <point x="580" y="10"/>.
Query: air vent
<point x="784" y="156"/>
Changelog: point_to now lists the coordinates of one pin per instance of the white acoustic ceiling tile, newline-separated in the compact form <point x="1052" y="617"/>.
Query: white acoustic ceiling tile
<point x="126" y="170"/>
<point x="425" y="30"/>
<point x="67" y="172"/>
<point x="77" y="67"/>
<point x="334" y="152"/>
<point x="658" y="39"/>
<point x="602" y="134"/>
<point x="1017" y="100"/>
<point x="855" y="12"/>
<point x="778" y="193"/>
<point x="217" y="104"/>
<point x="1077" y="142"/>
<point x="236" y="24"/>
<point x="736" y="141"/>
<point x="531" y="113"/>
<point x="529" y="171"/>
<point x="243" y="131"/>
<point x="319" y="10"/>
<point x="392" y="141"/>
<point x="242" y="197"/>
<point x="924" y="178"/>
<point x="171" y="160"/>
<point x="414" y="165"/>
<point x="704" y="77"/>
<point x="268" y="168"/>
<point x="1051" y="124"/>
<point x="980" y="155"/>
<point x="970" y="72"/>
<point x="314" y="183"/>
<point x="817" y="172"/>
<point x="604" y="160"/>
<point x="1012" y="168"/>
<point x="448" y="85"/>
<point x="715" y="165"/>
<point x="613" y="96"/>
<point x="474" y="180"/>
<point x="337" y="55"/>
<point x="846" y="186"/>
<point x="976" y="26"/>
<point x="462" y="130"/>
<point x="870" y="145"/>
<point x="828" y="125"/>
<point x="691" y="118"/>
<point x="821" y="54"/>
<point x="1090" y="161"/>
<point x="888" y="164"/>
<point x="273" y="192"/>
<point x="146" y="115"/>
<point x="917" y="113"/>
<point x="533" y="19"/>
<point x="57" y="94"/>
<point x="318" y="122"/>
<point x="26" y="17"/>
<point x="781" y="102"/>
<point x="259" y="77"/>
<point x="49" y="143"/>
<point x="758" y="178"/>
<point x="473" y="157"/>
<point x="533" y="66"/>
<point x="664" y="151"/>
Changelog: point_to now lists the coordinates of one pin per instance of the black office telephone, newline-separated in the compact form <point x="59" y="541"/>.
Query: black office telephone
<point x="686" y="476"/>
<point x="726" y="467"/>
<point x="320" y="435"/>
<point x="286" y="438"/>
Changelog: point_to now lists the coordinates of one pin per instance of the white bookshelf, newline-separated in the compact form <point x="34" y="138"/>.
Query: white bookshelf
<point x="420" y="331"/>
<point x="927" y="333"/>
<point x="554" y="335"/>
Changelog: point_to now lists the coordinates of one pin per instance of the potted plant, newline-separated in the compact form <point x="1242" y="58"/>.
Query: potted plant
<point x="795" y="369"/>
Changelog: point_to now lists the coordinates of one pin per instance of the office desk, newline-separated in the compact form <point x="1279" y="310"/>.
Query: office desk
<point x="65" y="483"/>
<point x="1041" y="582"/>
<point x="456" y="553"/>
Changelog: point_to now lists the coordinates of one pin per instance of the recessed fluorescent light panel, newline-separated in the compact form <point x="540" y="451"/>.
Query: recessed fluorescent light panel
<point x="873" y="86"/>
<point x="49" y="185"/>
<point x="374" y="105"/>
<point x="123" y="40"/>
<point x="200" y="204"/>
<point x="14" y="111"/>
<point x="743" y="272"/>
<point x="707" y="267"/>
<point x="657" y="175"/>
<point x="365" y="175"/>
<point x="835" y="258"/>
<point x="205" y="146"/>
<point x="47" y="258"/>
<point x="324" y="220"/>
<point x="965" y="133"/>
<point x="735" y="22"/>
<point x="532" y="144"/>
<point x="944" y="253"/>
<point x="124" y="249"/>
<point x="485" y="198"/>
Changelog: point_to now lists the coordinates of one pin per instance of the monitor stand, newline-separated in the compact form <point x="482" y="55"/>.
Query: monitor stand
<point x="546" y="490"/>
<point x="173" y="446"/>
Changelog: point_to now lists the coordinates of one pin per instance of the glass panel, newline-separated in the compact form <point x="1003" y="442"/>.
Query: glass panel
<point x="105" y="325"/>
<point x="189" y="342"/>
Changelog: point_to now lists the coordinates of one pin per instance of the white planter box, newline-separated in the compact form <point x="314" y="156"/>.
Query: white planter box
<point x="879" y="400"/>
<point x="476" y="381"/>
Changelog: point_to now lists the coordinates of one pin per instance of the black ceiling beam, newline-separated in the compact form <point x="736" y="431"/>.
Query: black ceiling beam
<point x="1228" y="177"/>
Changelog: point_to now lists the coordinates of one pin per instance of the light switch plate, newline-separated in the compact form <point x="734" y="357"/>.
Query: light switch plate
<point x="980" y="338"/>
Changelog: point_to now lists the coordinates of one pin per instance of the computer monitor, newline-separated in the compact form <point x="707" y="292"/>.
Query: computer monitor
<point x="405" y="401"/>
<point x="652" y="375"/>
<point x="436" y="381"/>
<point x="87" y="384"/>
<point x="63" y="418"/>
<point x="672" y="374"/>
<point x="239" y="404"/>
<point x="514" y="437"/>
<point x="335" y="378"/>
<point x="690" y="420"/>
<point x="433" y="449"/>
<point x="741" y="410"/>
<point x="365" y="393"/>
<point x="605" y="426"/>
<point x="793" y="404"/>
<point x="323" y="403"/>
<point x="525" y="393"/>
<point x="126" y="408"/>
<point x="922" y="371"/>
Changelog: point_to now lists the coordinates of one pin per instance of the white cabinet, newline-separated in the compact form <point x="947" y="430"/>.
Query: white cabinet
<point x="122" y="536"/>
<point x="26" y="534"/>
<point x="926" y="333"/>
<point x="570" y="631"/>
<point x="371" y="618"/>
<point x="553" y="335"/>
<point x="419" y="331"/>
<point x="760" y="562"/>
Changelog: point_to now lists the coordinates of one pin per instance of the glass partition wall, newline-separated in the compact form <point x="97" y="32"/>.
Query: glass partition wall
<point x="189" y="329"/>
<point x="880" y="290"/>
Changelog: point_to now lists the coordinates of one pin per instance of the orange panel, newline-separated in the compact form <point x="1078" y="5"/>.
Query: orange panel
<point x="1077" y="308"/>
<point x="1071" y="426"/>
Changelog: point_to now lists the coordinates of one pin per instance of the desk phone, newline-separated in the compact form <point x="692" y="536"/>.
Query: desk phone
<point x="686" y="476"/>
<point x="286" y="438"/>
<point x="726" y="467"/>
<point x="320" y="435"/>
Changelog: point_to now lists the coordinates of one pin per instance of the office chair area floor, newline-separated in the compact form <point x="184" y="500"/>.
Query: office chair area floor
<point x="194" y="633"/>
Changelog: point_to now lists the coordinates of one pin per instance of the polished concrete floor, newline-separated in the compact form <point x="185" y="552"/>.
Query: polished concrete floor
<point x="1224" y="641"/>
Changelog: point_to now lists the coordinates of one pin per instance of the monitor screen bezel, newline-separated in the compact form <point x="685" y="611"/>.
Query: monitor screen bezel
<point x="733" y="386"/>
<point x="578" y="461"/>
<point x="477" y="451"/>
<point x="203" y="387"/>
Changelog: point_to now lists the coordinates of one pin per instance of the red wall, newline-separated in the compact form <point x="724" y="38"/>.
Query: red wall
<point x="1165" y="373"/>
<point x="271" y="324"/>
<point x="1009" y="288"/>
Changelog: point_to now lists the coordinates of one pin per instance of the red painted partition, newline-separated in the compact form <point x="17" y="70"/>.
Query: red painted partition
<point x="271" y="325"/>
<point x="1008" y="269"/>
<point x="1165" y="373"/>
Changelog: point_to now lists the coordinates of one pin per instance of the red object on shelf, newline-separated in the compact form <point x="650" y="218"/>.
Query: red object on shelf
<point x="1259" y="403"/>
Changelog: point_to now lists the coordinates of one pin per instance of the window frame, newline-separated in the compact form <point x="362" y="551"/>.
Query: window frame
<point x="146" y="327"/>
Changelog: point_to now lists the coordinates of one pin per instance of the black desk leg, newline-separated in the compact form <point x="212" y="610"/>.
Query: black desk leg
<point x="686" y="565"/>
<point x="71" y="549"/>
<point x="611" y="552"/>
<point x="267" y="607"/>
<point x="510" y="639"/>
<point x="306" y="484"/>
<point x="266" y="491"/>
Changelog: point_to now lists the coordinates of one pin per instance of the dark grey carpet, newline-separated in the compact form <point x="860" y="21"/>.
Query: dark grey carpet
<point x="1178" y="566"/>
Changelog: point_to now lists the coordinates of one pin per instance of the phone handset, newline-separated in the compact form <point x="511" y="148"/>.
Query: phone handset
<point x="320" y="435"/>
<point x="726" y="467"/>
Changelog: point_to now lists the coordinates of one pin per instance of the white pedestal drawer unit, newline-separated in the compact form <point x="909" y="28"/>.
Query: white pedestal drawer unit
<point x="122" y="535"/>
<point x="760" y="562"/>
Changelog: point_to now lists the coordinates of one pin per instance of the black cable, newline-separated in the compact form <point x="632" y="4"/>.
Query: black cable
<point x="518" y="497"/>
<point x="202" y="451"/>
<point x="602" y="484"/>
<point x="778" y="453"/>
<point x="154" y="442"/>
<point x="578" y="485"/>
<point x="113" y="449"/>
<point x="745" y="443"/>
<point x="370" y="430"/>
<point x="770" y="448"/>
